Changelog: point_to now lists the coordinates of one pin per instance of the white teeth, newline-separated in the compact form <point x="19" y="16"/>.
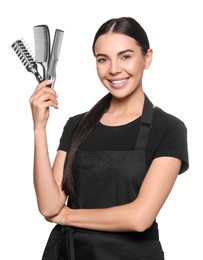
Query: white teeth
<point x="118" y="81"/>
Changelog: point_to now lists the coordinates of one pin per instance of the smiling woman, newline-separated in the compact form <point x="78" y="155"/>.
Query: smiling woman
<point x="116" y="164"/>
<point x="122" y="63"/>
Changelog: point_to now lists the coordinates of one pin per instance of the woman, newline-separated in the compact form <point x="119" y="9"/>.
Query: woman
<point x="115" y="164"/>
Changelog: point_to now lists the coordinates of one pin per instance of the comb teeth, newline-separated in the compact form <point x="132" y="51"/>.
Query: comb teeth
<point x="42" y="43"/>
<point x="23" y="54"/>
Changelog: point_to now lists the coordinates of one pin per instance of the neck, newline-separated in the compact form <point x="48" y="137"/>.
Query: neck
<point x="132" y="104"/>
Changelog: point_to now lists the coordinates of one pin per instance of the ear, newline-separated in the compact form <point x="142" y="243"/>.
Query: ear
<point x="148" y="58"/>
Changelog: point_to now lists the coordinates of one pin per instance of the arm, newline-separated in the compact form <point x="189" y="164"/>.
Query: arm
<point x="47" y="180"/>
<point x="135" y="216"/>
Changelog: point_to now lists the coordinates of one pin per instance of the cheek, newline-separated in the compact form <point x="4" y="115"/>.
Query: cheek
<point x="101" y="71"/>
<point x="131" y="68"/>
<point x="135" y="68"/>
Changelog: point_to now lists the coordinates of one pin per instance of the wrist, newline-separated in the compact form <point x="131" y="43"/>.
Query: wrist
<point x="69" y="218"/>
<point x="40" y="134"/>
<point x="39" y="129"/>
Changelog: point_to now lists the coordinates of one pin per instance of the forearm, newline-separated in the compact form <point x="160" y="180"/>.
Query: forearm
<point x="135" y="216"/>
<point x="115" y="219"/>
<point x="139" y="214"/>
<point x="47" y="192"/>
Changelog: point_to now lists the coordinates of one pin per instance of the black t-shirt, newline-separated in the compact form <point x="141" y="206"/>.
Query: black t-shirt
<point x="168" y="137"/>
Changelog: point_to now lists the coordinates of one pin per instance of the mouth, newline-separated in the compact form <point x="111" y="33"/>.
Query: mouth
<point x="118" y="83"/>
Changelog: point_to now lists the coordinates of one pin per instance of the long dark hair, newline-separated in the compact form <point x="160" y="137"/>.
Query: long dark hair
<point x="123" y="25"/>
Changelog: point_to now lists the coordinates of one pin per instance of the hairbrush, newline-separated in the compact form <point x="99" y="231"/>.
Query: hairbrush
<point x="42" y="46"/>
<point x="26" y="58"/>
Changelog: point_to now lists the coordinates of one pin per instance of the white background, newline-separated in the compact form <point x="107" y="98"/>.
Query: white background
<point x="173" y="82"/>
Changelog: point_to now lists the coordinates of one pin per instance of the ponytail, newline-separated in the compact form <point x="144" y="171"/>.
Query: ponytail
<point x="86" y="125"/>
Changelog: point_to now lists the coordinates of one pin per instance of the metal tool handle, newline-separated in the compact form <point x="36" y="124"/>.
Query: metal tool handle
<point x="54" y="56"/>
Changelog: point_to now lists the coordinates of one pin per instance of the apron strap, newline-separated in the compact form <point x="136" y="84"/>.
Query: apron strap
<point x="145" y="124"/>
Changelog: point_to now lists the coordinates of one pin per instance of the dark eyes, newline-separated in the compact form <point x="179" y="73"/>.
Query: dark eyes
<point x="124" y="57"/>
<point x="101" y="60"/>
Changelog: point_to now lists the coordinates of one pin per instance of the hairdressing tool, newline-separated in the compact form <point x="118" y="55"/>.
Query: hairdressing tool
<point x="42" y="50"/>
<point x="26" y="58"/>
<point x="42" y="46"/>
<point x="54" y="56"/>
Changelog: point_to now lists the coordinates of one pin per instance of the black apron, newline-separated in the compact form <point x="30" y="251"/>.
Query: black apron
<point x="105" y="179"/>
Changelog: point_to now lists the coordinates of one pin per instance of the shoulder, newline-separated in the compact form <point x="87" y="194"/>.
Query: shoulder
<point x="168" y="137"/>
<point x="68" y="131"/>
<point x="167" y="122"/>
<point x="73" y="122"/>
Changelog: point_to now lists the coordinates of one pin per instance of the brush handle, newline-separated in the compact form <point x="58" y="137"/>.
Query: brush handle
<point x="38" y="77"/>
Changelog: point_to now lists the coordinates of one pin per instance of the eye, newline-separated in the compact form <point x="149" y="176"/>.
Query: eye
<point x="125" y="57"/>
<point x="101" y="60"/>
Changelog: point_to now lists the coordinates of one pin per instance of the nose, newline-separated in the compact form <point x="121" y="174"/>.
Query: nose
<point x="115" y="67"/>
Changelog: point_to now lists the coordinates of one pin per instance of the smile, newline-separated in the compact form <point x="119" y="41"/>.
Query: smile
<point x="118" y="83"/>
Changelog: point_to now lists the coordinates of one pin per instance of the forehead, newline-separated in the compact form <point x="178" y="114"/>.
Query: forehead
<point x="114" y="43"/>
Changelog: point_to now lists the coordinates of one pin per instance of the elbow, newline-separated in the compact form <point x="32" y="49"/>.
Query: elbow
<point x="49" y="212"/>
<point x="141" y="222"/>
<point x="50" y="208"/>
<point x="141" y="226"/>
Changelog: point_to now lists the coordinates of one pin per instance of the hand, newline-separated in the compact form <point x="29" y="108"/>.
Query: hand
<point x="62" y="217"/>
<point x="42" y="98"/>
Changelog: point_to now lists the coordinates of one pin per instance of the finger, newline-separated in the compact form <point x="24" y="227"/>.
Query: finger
<point x="43" y="97"/>
<point x="43" y="84"/>
<point x="50" y="103"/>
<point x="45" y="92"/>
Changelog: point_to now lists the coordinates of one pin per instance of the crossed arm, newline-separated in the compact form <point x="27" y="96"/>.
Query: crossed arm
<point x="135" y="216"/>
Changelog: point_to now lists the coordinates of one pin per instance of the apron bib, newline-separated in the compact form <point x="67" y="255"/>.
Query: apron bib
<point x="105" y="179"/>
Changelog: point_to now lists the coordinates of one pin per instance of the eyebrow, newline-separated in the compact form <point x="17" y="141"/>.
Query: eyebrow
<point x="120" y="53"/>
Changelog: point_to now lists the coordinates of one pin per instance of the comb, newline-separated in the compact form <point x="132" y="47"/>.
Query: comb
<point x="42" y="46"/>
<point x="54" y="56"/>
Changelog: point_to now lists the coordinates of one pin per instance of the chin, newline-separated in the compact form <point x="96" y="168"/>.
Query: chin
<point x="121" y="94"/>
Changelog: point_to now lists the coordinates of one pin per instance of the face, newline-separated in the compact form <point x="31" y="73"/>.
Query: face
<point x="120" y="63"/>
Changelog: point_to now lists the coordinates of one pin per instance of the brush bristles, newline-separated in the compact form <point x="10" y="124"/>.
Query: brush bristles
<point x="26" y="58"/>
<point x="23" y="54"/>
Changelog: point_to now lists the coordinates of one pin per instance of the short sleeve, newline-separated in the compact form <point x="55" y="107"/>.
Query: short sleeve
<point x="174" y="144"/>
<point x="68" y="131"/>
<point x="65" y="138"/>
